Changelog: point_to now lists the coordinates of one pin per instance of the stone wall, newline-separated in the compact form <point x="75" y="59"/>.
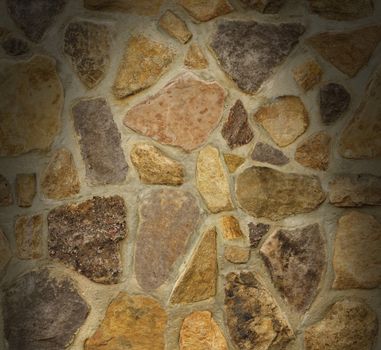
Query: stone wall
<point x="190" y="174"/>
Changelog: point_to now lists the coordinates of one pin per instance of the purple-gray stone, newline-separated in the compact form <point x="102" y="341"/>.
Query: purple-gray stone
<point x="267" y="154"/>
<point x="256" y="232"/>
<point x="334" y="101"/>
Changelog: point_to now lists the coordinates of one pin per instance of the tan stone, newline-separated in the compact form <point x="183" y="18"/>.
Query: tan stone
<point x="5" y="253"/>
<point x="205" y="10"/>
<point x="175" y="26"/>
<point x="194" y="58"/>
<point x="230" y="228"/>
<point x="308" y="74"/>
<point x="236" y="254"/>
<point x="131" y="322"/>
<point x="25" y="189"/>
<point x="141" y="7"/>
<point x="285" y="119"/>
<point x="28" y="232"/>
<point x="6" y="198"/>
<point x="233" y="162"/>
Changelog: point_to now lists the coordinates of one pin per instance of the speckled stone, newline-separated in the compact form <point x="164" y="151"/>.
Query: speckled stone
<point x="5" y="252"/>
<point x="26" y="188"/>
<point x="6" y="198"/>
<point x="265" y="6"/>
<point x="236" y="254"/>
<point x="194" y="58"/>
<point x="233" y="162"/>
<point x="13" y="45"/>
<point x="256" y="233"/>
<point x="308" y="74"/>
<point x="28" y="233"/>
<point x="175" y="26"/>
<point x="230" y="228"/>
<point x="265" y="153"/>
<point x="342" y="10"/>
<point x="334" y="102"/>
<point x="205" y="10"/>
<point x="141" y="7"/>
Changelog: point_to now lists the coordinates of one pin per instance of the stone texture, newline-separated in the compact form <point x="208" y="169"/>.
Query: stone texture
<point x="194" y="58"/>
<point x="199" y="280"/>
<point x="212" y="181"/>
<point x="236" y="254"/>
<point x="6" y="198"/>
<point x="141" y="7"/>
<point x="265" y="192"/>
<point x="265" y="153"/>
<point x="25" y="189"/>
<point x="28" y="233"/>
<point x="175" y="26"/>
<point x="154" y="167"/>
<point x="249" y="51"/>
<point x="131" y="322"/>
<point x="144" y="61"/>
<point x="265" y="6"/>
<point x="254" y="319"/>
<point x="163" y="215"/>
<point x="348" y="324"/>
<point x="182" y="114"/>
<point x="308" y="74"/>
<point x="100" y="142"/>
<point x="205" y="10"/>
<point x="357" y="253"/>
<point x="199" y="331"/>
<point x="339" y="10"/>
<point x="5" y="252"/>
<point x="86" y="237"/>
<point x="284" y="118"/>
<point x="60" y="178"/>
<point x="256" y="232"/>
<point x="233" y="162"/>
<point x="334" y="102"/>
<point x="42" y="312"/>
<point x="236" y="130"/>
<point x="296" y="260"/>
<point x="230" y="228"/>
<point x="13" y="45"/>
<point x="30" y="107"/>
<point x="87" y="46"/>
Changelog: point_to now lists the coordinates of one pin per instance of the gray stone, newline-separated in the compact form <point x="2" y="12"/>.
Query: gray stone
<point x="334" y="102"/>
<point x="256" y="232"/>
<point x="265" y="6"/>
<point x="267" y="154"/>
<point x="14" y="45"/>
<point x="6" y="198"/>
<point x="342" y="10"/>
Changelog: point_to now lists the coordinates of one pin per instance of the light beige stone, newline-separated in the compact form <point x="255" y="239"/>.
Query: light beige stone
<point x="194" y="58"/>
<point x="205" y="10"/>
<point x="25" y="189"/>
<point x="308" y="74"/>
<point x="175" y="26"/>
<point x="28" y="232"/>
<point x="140" y="7"/>
<point x="236" y="254"/>
<point x="233" y="162"/>
<point x="5" y="253"/>
<point x="230" y="228"/>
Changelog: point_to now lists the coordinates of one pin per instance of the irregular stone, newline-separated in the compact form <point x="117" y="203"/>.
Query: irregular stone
<point x="334" y="102"/>
<point x="347" y="51"/>
<point x="296" y="260"/>
<point x="42" y="312"/>
<point x="175" y="26"/>
<point x="60" y="178"/>
<point x="339" y="10"/>
<point x="357" y="252"/>
<point x="31" y="105"/>
<point x="100" y="142"/>
<point x="28" y="232"/>
<point x="314" y="151"/>
<point x="285" y="119"/>
<point x="141" y="7"/>
<point x="131" y="322"/>
<point x="194" y="58"/>
<point x="144" y="62"/>
<point x="268" y="193"/>
<point x="25" y="189"/>
<point x="256" y="232"/>
<point x="6" y="198"/>
<point x="199" y="280"/>
<point x="265" y="6"/>
<point x="236" y="254"/>
<point x="212" y="181"/>
<point x="230" y="228"/>
<point x="233" y="162"/>
<point x="199" y="331"/>
<point x="87" y="46"/>
<point x="254" y="319"/>
<point x="182" y="114"/>
<point x="236" y="130"/>
<point x="154" y="167"/>
<point x="5" y="252"/>
<point x="163" y="215"/>
<point x="308" y="74"/>
<point x="206" y="10"/>
<point x="86" y="237"/>
<point x="14" y="45"/>
<point x="348" y="324"/>
<point x="265" y="153"/>
<point x="249" y="51"/>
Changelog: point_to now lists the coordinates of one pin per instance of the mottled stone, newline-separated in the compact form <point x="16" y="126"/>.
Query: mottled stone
<point x="25" y="189"/>
<point x="265" y="6"/>
<point x="296" y="260"/>
<point x="131" y="322"/>
<point x="205" y="10"/>
<point x="28" y="233"/>
<point x="256" y="232"/>
<point x="233" y="162"/>
<point x="265" y="192"/>
<point x="144" y="61"/>
<point x="163" y="215"/>
<point x="5" y="252"/>
<point x="86" y="237"/>
<point x="348" y="324"/>
<point x="249" y="51"/>
<point x="100" y="142"/>
<point x="308" y="74"/>
<point x="6" y="198"/>
<point x="194" y="58"/>
<point x="265" y="153"/>
<point x="141" y="7"/>
<point x="230" y="228"/>
<point x="236" y="254"/>
<point x="334" y="102"/>
<point x="199" y="280"/>
<point x="30" y="107"/>
<point x="342" y="10"/>
<point x="14" y="45"/>
<point x="199" y="331"/>
<point x="284" y="118"/>
<point x="42" y="312"/>
<point x="175" y="26"/>
<point x="182" y="114"/>
<point x="254" y="319"/>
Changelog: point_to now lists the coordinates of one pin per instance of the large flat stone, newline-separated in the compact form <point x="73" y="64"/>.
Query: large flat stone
<point x="342" y="10"/>
<point x="5" y="252"/>
<point x="334" y="102"/>
<point x="6" y="198"/>
<point x="265" y="6"/>
<point x="205" y="10"/>
<point x="28" y="233"/>
<point x="141" y="7"/>
<point x="26" y="188"/>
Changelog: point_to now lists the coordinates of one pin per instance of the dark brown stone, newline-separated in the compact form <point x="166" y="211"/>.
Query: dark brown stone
<point x="14" y="46"/>
<point x="256" y="232"/>
<point x="265" y="6"/>
<point x="334" y="102"/>
<point x="342" y="10"/>
<point x="267" y="154"/>
<point x="5" y="192"/>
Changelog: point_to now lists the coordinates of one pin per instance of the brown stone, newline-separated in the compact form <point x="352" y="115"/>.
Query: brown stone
<point x="6" y="198"/>
<point x="233" y="162"/>
<point x="256" y="232"/>
<point x="265" y="6"/>
<point x="194" y="58"/>
<point x="175" y="26"/>
<point x="236" y="254"/>
<point x="308" y="74"/>
<point x="339" y="10"/>
<point x="141" y="7"/>
<point x="5" y="252"/>
<point x="182" y="114"/>
<point x="265" y="153"/>
<point x="205" y="10"/>
<point x="334" y="102"/>
<point x="230" y="228"/>
<point x="28" y="233"/>
<point x="13" y="45"/>
<point x="25" y="189"/>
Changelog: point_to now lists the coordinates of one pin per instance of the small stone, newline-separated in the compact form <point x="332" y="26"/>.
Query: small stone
<point x="28" y="232"/>
<point x="86" y="237"/>
<point x="269" y="193"/>
<point x="233" y="162"/>
<point x="60" y="178"/>
<point x="236" y="130"/>
<point x="230" y="228"/>
<point x="342" y="11"/>
<point x="131" y="322"/>
<point x="265" y="153"/>
<point x="357" y="252"/>
<point x="236" y="254"/>
<point x="334" y="102"/>
<point x="194" y="58"/>
<point x="265" y="6"/>
<point x="308" y="74"/>
<point x="14" y="45"/>
<point x="182" y="114"/>
<point x="296" y="260"/>
<point x="256" y="232"/>
<point x="199" y="331"/>
<point x="25" y="189"/>
<point x="5" y="252"/>
<point x="144" y="62"/>
<point x="314" y="152"/>
<point x="348" y="324"/>
<point x="212" y="181"/>
<point x="141" y="7"/>
<point x="175" y="26"/>
<point x="6" y="198"/>
<point x="206" y="10"/>
<point x="100" y="142"/>
<point x="285" y="119"/>
<point x="199" y="280"/>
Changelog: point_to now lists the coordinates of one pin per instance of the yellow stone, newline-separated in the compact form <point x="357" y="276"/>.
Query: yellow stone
<point x="230" y="228"/>
<point x="175" y="26"/>
<point x="308" y="74"/>
<point x="194" y="58"/>
<point x="233" y="162"/>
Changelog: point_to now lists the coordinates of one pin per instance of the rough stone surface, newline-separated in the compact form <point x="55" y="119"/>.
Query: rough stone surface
<point x="285" y="119"/>
<point x="339" y="10"/>
<point x="28" y="232"/>
<point x="236" y="130"/>
<point x="100" y="142"/>
<point x="254" y="319"/>
<point x="265" y="153"/>
<point x="334" y="102"/>
<point x="194" y="58"/>
<point x="308" y="74"/>
<point x="296" y="260"/>
<point x="357" y="253"/>
<point x="144" y="62"/>
<point x="6" y="198"/>
<point x="182" y="114"/>
<point x="86" y="237"/>
<point x="233" y="162"/>
<point x="256" y="232"/>
<point x="348" y="324"/>
<point x="25" y="189"/>
<point x="212" y="181"/>
<point x="205" y="10"/>
<point x="5" y="252"/>
<point x="30" y="107"/>
<point x="175" y="26"/>
<point x="264" y="6"/>
<point x="13" y="45"/>
<point x="249" y="51"/>
<point x="163" y="215"/>
<point x="199" y="280"/>
<point x="141" y="7"/>
<point x="265" y="192"/>
<point x="230" y="228"/>
<point x="42" y="312"/>
<point x="236" y="254"/>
